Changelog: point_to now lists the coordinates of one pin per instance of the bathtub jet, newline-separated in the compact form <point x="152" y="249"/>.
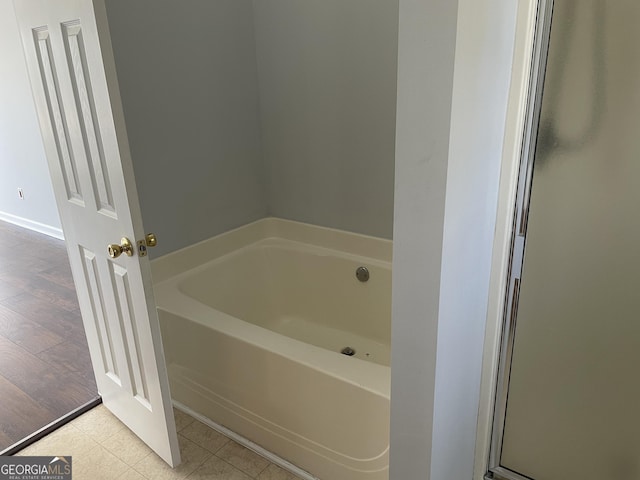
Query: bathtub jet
<point x="348" y="351"/>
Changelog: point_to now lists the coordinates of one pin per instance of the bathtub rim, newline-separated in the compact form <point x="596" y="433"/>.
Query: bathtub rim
<point x="190" y="257"/>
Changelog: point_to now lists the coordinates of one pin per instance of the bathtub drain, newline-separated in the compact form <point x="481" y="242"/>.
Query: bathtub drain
<point x="348" y="351"/>
<point x="362" y="274"/>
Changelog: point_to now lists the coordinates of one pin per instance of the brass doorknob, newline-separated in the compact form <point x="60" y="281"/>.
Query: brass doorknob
<point x="151" y="240"/>
<point x="125" y="246"/>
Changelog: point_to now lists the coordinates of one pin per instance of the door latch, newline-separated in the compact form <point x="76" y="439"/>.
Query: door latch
<point x="149" y="240"/>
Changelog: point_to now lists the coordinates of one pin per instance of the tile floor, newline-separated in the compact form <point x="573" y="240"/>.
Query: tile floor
<point x="104" y="449"/>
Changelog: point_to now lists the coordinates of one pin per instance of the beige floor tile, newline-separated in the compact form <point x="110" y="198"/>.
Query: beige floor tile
<point x="182" y="419"/>
<point x="217" y="469"/>
<point x="98" y="464"/>
<point x="104" y="449"/>
<point x="125" y="445"/>
<point x="131" y="474"/>
<point x="99" y="423"/>
<point x="242" y="458"/>
<point x="274" y="472"/>
<point x="155" y="468"/>
<point x="205" y="436"/>
<point x="65" y="441"/>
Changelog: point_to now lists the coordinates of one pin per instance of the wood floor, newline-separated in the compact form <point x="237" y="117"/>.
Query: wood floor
<point x="45" y="369"/>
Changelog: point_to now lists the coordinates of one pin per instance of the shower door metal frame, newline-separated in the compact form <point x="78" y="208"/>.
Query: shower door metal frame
<point x="518" y="238"/>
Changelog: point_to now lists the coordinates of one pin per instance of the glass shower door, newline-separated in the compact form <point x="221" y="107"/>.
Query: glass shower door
<point x="573" y="404"/>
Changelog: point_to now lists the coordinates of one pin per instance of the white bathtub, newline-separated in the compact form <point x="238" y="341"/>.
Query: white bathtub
<point x="253" y="322"/>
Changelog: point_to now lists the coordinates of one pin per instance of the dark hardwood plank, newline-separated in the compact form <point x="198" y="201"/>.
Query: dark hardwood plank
<point x="59" y="275"/>
<point x="70" y="389"/>
<point x="42" y="284"/>
<point x="4" y="438"/>
<point x="7" y="242"/>
<point x="7" y="290"/>
<point x="64" y="323"/>
<point x="54" y="293"/>
<point x="20" y="414"/>
<point x="45" y="368"/>
<point x="67" y="355"/>
<point x="42" y="247"/>
<point x="32" y="368"/>
<point x="20" y="269"/>
<point x="14" y="235"/>
<point x="55" y="389"/>
<point x="73" y="358"/>
<point x="23" y="332"/>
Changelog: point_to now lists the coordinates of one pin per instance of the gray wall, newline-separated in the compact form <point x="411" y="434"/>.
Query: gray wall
<point x="188" y="74"/>
<point x="327" y="72"/>
<point x="188" y="80"/>
<point x="239" y="109"/>
<point x="449" y="152"/>
<point x="22" y="159"/>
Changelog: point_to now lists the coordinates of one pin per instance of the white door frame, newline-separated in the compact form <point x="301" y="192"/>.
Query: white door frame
<point x="513" y="144"/>
<point x="449" y="246"/>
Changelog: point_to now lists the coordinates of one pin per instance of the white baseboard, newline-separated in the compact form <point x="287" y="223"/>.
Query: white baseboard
<point x="32" y="225"/>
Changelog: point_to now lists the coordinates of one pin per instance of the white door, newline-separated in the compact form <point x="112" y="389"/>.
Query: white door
<point x="68" y="53"/>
